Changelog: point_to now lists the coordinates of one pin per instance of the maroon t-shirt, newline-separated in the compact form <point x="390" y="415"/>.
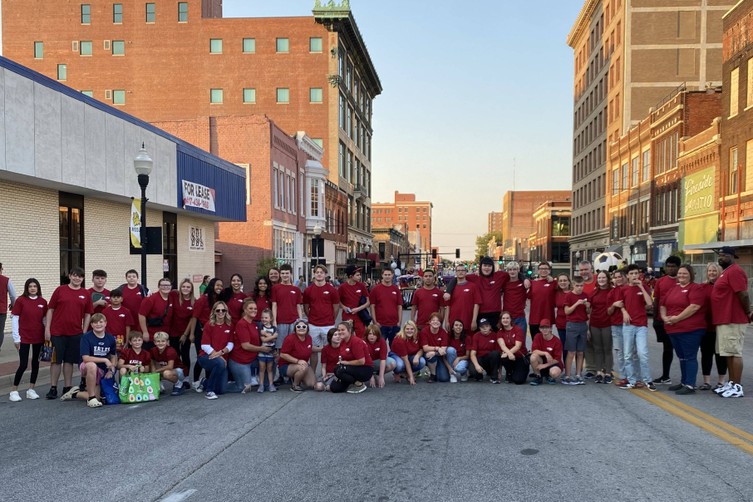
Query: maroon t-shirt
<point x="263" y="302"/>
<point x="483" y="344"/>
<point x="355" y="348"/>
<point x="350" y="296"/>
<point x="677" y="299"/>
<point x="511" y="336"/>
<point x="217" y="336"/>
<point x="321" y="301"/>
<point x="491" y="289"/>
<point x="378" y="350"/>
<point x="462" y="300"/>
<point x="426" y="302"/>
<point x="202" y="310"/>
<point x="615" y="295"/>
<point x="580" y="314"/>
<point x="132" y="358"/>
<point x="726" y="305"/>
<point x="71" y="305"/>
<point x="132" y="299"/>
<point x="30" y="314"/>
<point x="542" y="294"/>
<point x="245" y="332"/>
<point x="162" y="359"/>
<point x="599" y="299"/>
<point x="297" y="348"/>
<point x="635" y="304"/>
<point x="405" y="347"/>
<point x="287" y="297"/>
<point x="105" y="292"/>
<point x="438" y="339"/>
<point x="182" y="313"/>
<point x="154" y="307"/>
<point x="386" y="301"/>
<point x="459" y="345"/>
<point x="117" y="321"/>
<point x="553" y="347"/>
<point x="330" y="357"/>
<point x="560" y="320"/>
<point x="235" y="306"/>
<point x="514" y="298"/>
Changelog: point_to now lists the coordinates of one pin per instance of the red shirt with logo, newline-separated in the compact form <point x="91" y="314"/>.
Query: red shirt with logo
<point x="378" y="350"/>
<point x="405" y="347"/>
<point x="459" y="345"/>
<point x="30" y="314"/>
<point x="105" y="293"/>
<point x="462" y="301"/>
<point x="599" y="299"/>
<point x="321" y="301"/>
<point x="297" y="348"/>
<point x="511" y="337"/>
<point x="182" y="313"/>
<point x="438" y="339"/>
<point x="216" y="336"/>
<point x="426" y="302"/>
<point x="386" y="301"/>
<point x="330" y="357"/>
<point x="580" y="314"/>
<point x="71" y="305"/>
<point x="355" y="348"/>
<point x="117" y="321"/>
<point x="132" y="358"/>
<point x="662" y="286"/>
<point x="542" y="295"/>
<point x="514" y="298"/>
<point x="132" y="299"/>
<point x="615" y="295"/>
<point x="245" y="332"/>
<point x="727" y="308"/>
<point x="263" y="302"/>
<point x="162" y="359"/>
<point x="154" y="307"/>
<point x="491" y="289"/>
<point x="235" y="305"/>
<point x="677" y="299"/>
<point x="552" y="346"/>
<point x="635" y="304"/>
<point x="483" y="344"/>
<point x="560" y="320"/>
<point x="287" y="297"/>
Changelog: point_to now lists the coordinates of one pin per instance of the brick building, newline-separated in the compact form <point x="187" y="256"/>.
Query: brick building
<point x="494" y="223"/>
<point x="549" y="241"/>
<point x="414" y="217"/>
<point x="517" y="219"/>
<point x="629" y="56"/>
<point x="169" y="61"/>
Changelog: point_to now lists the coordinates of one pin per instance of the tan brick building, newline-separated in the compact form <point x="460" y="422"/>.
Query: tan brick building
<point x="517" y="219"/>
<point x="494" y="223"/>
<point x="414" y="217"/>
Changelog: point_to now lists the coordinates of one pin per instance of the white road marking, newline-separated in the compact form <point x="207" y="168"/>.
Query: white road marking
<point x="177" y="497"/>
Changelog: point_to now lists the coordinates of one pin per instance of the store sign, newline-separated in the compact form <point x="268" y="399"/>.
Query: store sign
<point x="698" y="193"/>
<point x="195" y="195"/>
<point x="196" y="239"/>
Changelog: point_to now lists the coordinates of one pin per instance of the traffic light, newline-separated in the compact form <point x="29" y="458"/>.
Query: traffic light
<point x="434" y="254"/>
<point x="457" y="253"/>
<point x="500" y="261"/>
<point x="529" y="273"/>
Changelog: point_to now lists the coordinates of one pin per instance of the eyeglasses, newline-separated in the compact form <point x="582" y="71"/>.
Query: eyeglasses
<point x="301" y="326"/>
<point x="220" y="310"/>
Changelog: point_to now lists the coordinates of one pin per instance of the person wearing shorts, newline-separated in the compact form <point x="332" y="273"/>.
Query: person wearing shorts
<point x="546" y="355"/>
<point x="321" y="302"/>
<point x="577" y="308"/>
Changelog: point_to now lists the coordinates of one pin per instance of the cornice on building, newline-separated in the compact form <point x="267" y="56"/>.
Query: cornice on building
<point x="582" y="21"/>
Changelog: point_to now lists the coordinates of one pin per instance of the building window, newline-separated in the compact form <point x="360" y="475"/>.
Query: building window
<point x="71" y="225"/>
<point x="635" y="171"/>
<point x="249" y="45"/>
<point x="151" y="12"/>
<point x="342" y="112"/>
<point x="118" y="97"/>
<point x="170" y="245"/>
<point x="86" y="13"/>
<point x="118" y="47"/>
<point x="646" y="165"/>
<point x="341" y="159"/>
<point x="62" y="72"/>
<point x="283" y="95"/>
<point x="38" y="50"/>
<point x="215" y="46"/>
<point x="732" y="170"/>
<point x="85" y="48"/>
<point x="215" y="96"/>
<point x="315" y="44"/>
<point x="282" y="45"/>
<point x="117" y="13"/>
<point x="734" y="92"/>
<point x="182" y="12"/>
<point x="88" y="93"/>
<point x="249" y="95"/>
<point x="315" y="95"/>
<point x="615" y="181"/>
<point x="625" y="178"/>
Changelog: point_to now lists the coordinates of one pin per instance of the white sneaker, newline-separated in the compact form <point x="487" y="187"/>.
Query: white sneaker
<point x="724" y="388"/>
<point x="32" y="394"/>
<point x="254" y="381"/>
<point x="161" y="387"/>
<point x="453" y="378"/>
<point x="14" y="396"/>
<point x="197" y="386"/>
<point x="735" y="390"/>
<point x="464" y="377"/>
<point x="211" y="395"/>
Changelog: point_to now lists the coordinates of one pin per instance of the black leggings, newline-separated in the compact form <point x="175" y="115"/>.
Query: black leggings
<point x="489" y="362"/>
<point x="197" y="344"/>
<point x="23" y="354"/>
<point x="516" y="371"/>
<point x="348" y="375"/>
<point x="708" y="354"/>
<point x="668" y="351"/>
<point x="183" y="350"/>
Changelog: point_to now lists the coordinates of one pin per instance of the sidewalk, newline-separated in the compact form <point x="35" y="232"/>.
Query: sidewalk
<point x="9" y="365"/>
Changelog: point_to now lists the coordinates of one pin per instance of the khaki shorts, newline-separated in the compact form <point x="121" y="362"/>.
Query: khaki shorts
<point x="729" y="339"/>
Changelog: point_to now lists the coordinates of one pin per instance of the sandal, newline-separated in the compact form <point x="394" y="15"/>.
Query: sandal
<point x="705" y="386"/>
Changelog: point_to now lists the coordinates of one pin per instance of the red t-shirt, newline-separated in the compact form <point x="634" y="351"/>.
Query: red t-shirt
<point x="707" y="288"/>
<point x="105" y="292"/>
<point x="350" y="296"/>
<point x="542" y="294"/>
<point x="182" y="313"/>
<point x="662" y="286"/>
<point x="599" y="299"/>
<point x="117" y="321"/>
<point x="677" y="299"/>
<point x="405" y="347"/>
<point x="590" y="287"/>
<point x="560" y="320"/>
<point x="321" y="301"/>
<point x="154" y="306"/>
<point x="132" y="300"/>
<point x="297" y="348"/>
<point x="580" y="314"/>
<point x="386" y="301"/>
<point x="727" y="308"/>
<point x="462" y="300"/>
<point x="262" y="303"/>
<point x="514" y="298"/>
<point x="378" y="350"/>
<point x="131" y="357"/>
<point x="245" y="332"/>
<point x="202" y="310"/>
<point x="635" y="304"/>
<point x="483" y="344"/>
<point x="30" y="314"/>
<point x="459" y="345"/>
<point x="217" y="336"/>
<point x="438" y="339"/>
<point x="287" y="297"/>
<point x="553" y="347"/>
<point x="161" y="359"/>
<point x="235" y="306"/>
<point x="71" y="305"/>
<point x="355" y="348"/>
<point x="510" y="337"/>
<point x="615" y="295"/>
<point x="491" y="289"/>
<point x="330" y="357"/>
<point x="426" y="302"/>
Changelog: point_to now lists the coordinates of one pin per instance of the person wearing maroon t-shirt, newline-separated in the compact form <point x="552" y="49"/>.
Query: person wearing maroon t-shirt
<point x="295" y="355"/>
<point x="321" y="302"/>
<point x="180" y="328"/>
<point x="69" y="312"/>
<point x="27" y="321"/>
<point x="119" y="320"/>
<point x="99" y="295"/>
<point x="135" y="358"/>
<point x="661" y="287"/>
<point x="635" y="301"/>
<point x="234" y="297"/>
<point x="586" y="272"/>
<point x="216" y="344"/>
<point x="708" y="344"/>
<point x="407" y="353"/>
<point x="461" y="343"/>
<point x="247" y="347"/>
<point x="202" y="311"/>
<point x="512" y="350"/>
<point x="560" y="319"/>
<point x="541" y="293"/>
<point x="379" y="354"/>
<point x="133" y="293"/>
<point x="439" y="356"/>
<point x="515" y="296"/>
<point x="166" y="362"/>
<point x="426" y="300"/>
<point x="355" y="366"/>
<point x="600" y="326"/>
<point x="386" y="305"/>
<point x="354" y="298"/>
<point x="262" y="296"/>
<point x="619" y="280"/>
<point x="685" y="322"/>
<point x="156" y="312"/>
<point x="331" y="356"/>
<point x="731" y="315"/>
<point x="484" y="353"/>
<point x="464" y="301"/>
<point x="546" y="355"/>
<point x="577" y="308"/>
<point x="287" y="304"/>
<point x="490" y="285"/>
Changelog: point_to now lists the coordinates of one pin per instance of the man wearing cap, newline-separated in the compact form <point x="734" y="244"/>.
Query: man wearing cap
<point x="490" y="285"/>
<point x="354" y="297"/>
<point x="546" y="355"/>
<point x="485" y="353"/>
<point x="731" y="314"/>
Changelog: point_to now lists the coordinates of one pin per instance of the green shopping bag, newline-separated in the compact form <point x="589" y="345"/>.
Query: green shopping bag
<point x="139" y="387"/>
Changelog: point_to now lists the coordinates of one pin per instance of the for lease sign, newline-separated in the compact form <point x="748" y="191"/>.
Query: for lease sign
<point x="195" y="195"/>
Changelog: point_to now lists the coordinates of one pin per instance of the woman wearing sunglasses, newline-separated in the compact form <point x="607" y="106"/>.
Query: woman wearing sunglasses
<point x="295" y="355"/>
<point x="216" y="344"/>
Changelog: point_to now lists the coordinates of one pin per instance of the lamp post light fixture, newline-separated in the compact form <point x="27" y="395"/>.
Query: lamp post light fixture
<point x="315" y="243"/>
<point x="143" y="165"/>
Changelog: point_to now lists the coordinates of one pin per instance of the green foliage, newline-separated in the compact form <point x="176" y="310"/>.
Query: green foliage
<point x="263" y="266"/>
<point x="482" y="243"/>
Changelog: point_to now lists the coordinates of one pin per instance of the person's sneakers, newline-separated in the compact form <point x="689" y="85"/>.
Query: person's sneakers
<point x="186" y="385"/>
<point x="92" y="402"/>
<point x="651" y="386"/>
<point x="627" y="385"/>
<point x="453" y="378"/>
<point x="432" y="379"/>
<point x="621" y="382"/>
<point x="551" y="380"/>
<point x="607" y="379"/>
<point x="590" y="375"/>
<point x="296" y="388"/>
<point x="32" y="394"/>
<point x="722" y="388"/>
<point x="579" y="380"/>
<point x="71" y="394"/>
<point x="675" y="387"/>
<point x="52" y="393"/>
<point x="356" y="389"/>
<point x="197" y="386"/>
<point x="664" y="381"/>
<point x="14" y="396"/>
<point x="272" y="388"/>
<point x="735" y="390"/>
<point x="177" y="391"/>
<point x="640" y="385"/>
<point x="566" y="381"/>
<point x="254" y="381"/>
<point x="599" y="379"/>
<point x="684" y="390"/>
<point x="464" y="378"/>
<point x="211" y="395"/>
<point x="535" y="381"/>
<point x="493" y="380"/>
<point x="705" y="386"/>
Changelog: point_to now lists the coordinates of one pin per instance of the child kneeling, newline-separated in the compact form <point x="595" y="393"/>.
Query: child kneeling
<point x="166" y="362"/>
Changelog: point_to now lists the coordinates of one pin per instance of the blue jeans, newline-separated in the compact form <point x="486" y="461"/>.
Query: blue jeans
<point x="462" y="367"/>
<point x="400" y="364"/>
<point x="634" y="339"/>
<point x="442" y="374"/>
<point x="389" y="333"/>
<point x="242" y="374"/>
<point x="686" y="347"/>
<point x="217" y="370"/>
<point x="522" y="324"/>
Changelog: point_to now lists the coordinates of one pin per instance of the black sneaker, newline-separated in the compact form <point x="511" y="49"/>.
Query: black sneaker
<point x="590" y="375"/>
<point x="535" y="381"/>
<point x="52" y="393"/>
<point x="685" y="390"/>
<point x="432" y="378"/>
<point x="664" y="380"/>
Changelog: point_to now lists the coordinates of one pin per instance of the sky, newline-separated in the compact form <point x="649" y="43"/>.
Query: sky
<point x="476" y="101"/>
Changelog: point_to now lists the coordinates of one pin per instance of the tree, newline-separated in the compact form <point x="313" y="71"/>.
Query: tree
<point x="263" y="266"/>
<point x="482" y="243"/>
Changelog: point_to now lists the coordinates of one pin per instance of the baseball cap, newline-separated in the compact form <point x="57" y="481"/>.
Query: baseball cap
<point x="351" y="269"/>
<point x="483" y="321"/>
<point x="727" y="250"/>
<point x="545" y="323"/>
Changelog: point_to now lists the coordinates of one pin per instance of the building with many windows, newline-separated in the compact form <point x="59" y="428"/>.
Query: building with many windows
<point x="170" y="61"/>
<point x="518" y="222"/>
<point x="413" y="216"/>
<point x="494" y="223"/>
<point x="549" y="241"/>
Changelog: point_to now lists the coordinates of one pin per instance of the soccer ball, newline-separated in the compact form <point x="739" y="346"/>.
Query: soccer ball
<point x="607" y="260"/>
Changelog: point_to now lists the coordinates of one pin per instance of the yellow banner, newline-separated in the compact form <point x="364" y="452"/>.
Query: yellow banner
<point x="136" y="223"/>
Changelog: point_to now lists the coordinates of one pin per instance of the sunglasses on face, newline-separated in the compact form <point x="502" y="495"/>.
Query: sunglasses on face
<point x="301" y="326"/>
<point x="220" y="310"/>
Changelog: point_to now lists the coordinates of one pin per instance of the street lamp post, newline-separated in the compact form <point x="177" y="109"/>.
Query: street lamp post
<point x="143" y="165"/>
<point x="631" y="245"/>
<point x="315" y="244"/>
<point x="367" y="248"/>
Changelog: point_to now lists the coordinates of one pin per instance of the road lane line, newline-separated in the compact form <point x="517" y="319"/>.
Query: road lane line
<point x="179" y="496"/>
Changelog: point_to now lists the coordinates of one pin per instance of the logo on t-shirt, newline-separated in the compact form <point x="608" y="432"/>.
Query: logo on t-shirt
<point x="467" y="290"/>
<point x="82" y="297"/>
<point x="491" y="282"/>
<point x="326" y="292"/>
<point x="394" y="292"/>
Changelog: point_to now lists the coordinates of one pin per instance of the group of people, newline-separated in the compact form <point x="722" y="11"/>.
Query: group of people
<point x="475" y="328"/>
